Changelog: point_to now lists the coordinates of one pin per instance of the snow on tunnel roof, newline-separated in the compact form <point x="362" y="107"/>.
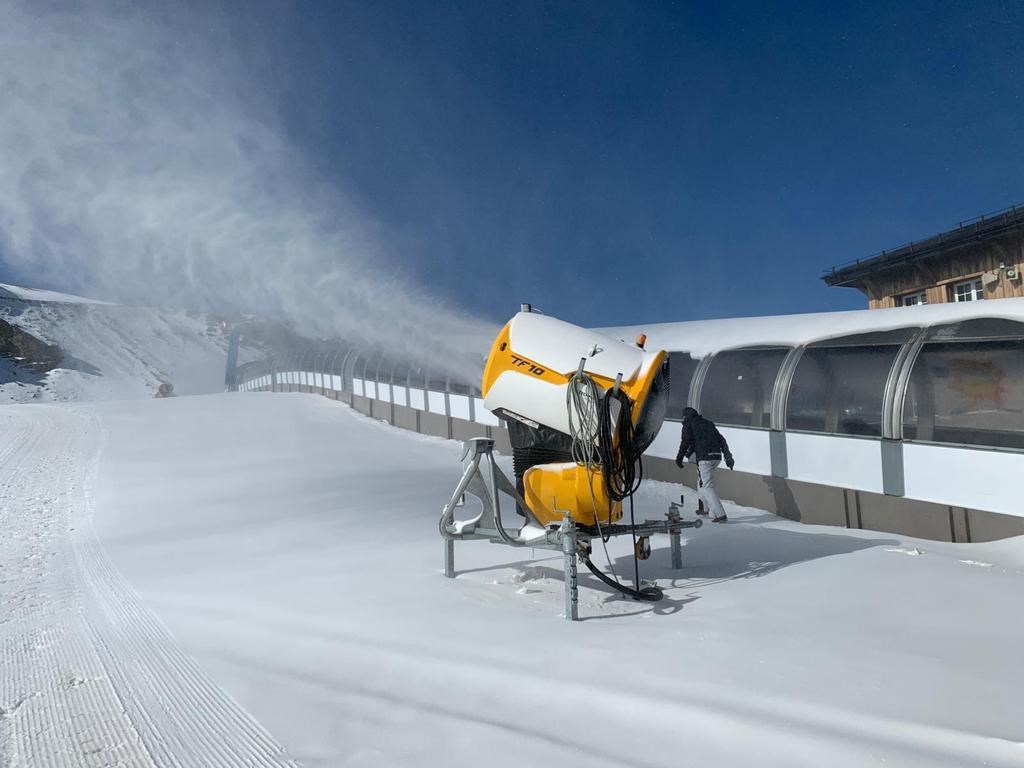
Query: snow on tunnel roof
<point x="703" y="337"/>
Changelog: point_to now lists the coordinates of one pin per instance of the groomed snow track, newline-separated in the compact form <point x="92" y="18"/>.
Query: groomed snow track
<point x="241" y="522"/>
<point x="88" y="676"/>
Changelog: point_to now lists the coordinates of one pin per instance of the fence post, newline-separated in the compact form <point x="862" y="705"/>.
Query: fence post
<point x="448" y="404"/>
<point x="231" y="370"/>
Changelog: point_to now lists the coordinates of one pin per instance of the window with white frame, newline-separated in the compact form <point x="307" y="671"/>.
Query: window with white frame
<point x="968" y="290"/>
<point x="913" y="299"/>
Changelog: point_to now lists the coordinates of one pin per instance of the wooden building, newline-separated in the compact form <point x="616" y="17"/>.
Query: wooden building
<point x="980" y="259"/>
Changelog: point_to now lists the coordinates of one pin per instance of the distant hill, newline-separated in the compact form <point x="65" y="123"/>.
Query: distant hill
<point x="58" y="347"/>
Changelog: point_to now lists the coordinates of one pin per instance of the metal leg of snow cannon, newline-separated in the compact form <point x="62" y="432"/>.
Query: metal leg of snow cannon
<point x="572" y="597"/>
<point x="675" y="542"/>
<point x="675" y="527"/>
<point x="481" y="479"/>
<point x="449" y="558"/>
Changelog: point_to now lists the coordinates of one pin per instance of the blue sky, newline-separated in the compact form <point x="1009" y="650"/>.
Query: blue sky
<point x="657" y="160"/>
<point x="609" y="162"/>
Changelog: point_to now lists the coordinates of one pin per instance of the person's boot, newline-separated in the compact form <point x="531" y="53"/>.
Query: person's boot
<point x="722" y="519"/>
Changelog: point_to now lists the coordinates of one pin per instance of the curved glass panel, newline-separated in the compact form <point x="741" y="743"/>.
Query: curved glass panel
<point x="681" y="368"/>
<point x="839" y="390"/>
<point x="334" y="360"/>
<point x="353" y="365"/>
<point x="382" y="371"/>
<point x="364" y="365"/>
<point x="400" y="374"/>
<point x="738" y="388"/>
<point x="418" y="377"/>
<point x="968" y="393"/>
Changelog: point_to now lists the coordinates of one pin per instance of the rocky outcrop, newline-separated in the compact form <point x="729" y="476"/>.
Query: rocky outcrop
<point x="26" y="351"/>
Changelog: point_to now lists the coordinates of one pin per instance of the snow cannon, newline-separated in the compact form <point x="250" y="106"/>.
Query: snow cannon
<point x="581" y="408"/>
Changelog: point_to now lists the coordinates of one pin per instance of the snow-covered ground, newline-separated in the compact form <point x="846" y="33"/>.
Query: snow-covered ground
<point x="112" y="352"/>
<point x="89" y="676"/>
<point x="264" y="570"/>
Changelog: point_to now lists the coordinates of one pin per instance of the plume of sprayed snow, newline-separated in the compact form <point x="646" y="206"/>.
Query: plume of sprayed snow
<point x="139" y="163"/>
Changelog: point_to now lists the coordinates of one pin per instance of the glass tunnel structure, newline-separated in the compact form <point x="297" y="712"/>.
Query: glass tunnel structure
<point x="907" y="419"/>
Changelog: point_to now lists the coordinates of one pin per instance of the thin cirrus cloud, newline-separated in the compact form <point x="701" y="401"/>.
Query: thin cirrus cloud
<point x="141" y="164"/>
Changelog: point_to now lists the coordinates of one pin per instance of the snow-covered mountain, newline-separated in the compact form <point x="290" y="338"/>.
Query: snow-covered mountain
<point x="58" y="347"/>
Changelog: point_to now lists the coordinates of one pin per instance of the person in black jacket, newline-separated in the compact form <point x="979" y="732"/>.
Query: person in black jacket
<point x="702" y="440"/>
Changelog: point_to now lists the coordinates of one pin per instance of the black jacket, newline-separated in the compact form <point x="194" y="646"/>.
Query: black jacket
<point x="701" y="437"/>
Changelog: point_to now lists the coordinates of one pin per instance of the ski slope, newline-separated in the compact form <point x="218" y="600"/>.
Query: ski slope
<point x="90" y="677"/>
<point x="254" y="579"/>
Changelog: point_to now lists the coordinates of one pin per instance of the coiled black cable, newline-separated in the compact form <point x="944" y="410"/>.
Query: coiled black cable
<point x="650" y="594"/>
<point x="621" y="465"/>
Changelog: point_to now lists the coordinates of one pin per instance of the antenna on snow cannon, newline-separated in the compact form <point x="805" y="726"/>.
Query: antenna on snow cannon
<point x="581" y="408"/>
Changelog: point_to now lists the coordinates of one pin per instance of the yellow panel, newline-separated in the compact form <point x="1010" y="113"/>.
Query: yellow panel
<point x="553" y="488"/>
<point x="640" y="388"/>
<point x="491" y="368"/>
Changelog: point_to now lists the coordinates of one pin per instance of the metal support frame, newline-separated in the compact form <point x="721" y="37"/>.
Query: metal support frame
<point x="346" y="377"/>
<point x="365" y="360"/>
<point x="378" y="381"/>
<point x="305" y="363"/>
<point x="780" y="388"/>
<point x="405" y="386"/>
<point x="295" y="366"/>
<point x="323" y="370"/>
<point x="675" y="544"/>
<point x="572" y="593"/>
<point x="377" y="360"/>
<point x="332" y="366"/>
<point x="288" y="368"/>
<point x="483" y="479"/>
<point x="893" y="483"/>
<point x="449" y="558"/>
<point x="697" y="382"/>
<point x="778" y="453"/>
<point x="897" y="383"/>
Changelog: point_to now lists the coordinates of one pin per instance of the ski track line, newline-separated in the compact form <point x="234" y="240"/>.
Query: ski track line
<point x="59" y="707"/>
<point x="90" y="677"/>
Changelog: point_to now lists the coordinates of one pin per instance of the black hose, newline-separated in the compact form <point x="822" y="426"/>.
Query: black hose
<point x="647" y="594"/>
<point x="621" y="464"/>
<point x="636" y="556"/>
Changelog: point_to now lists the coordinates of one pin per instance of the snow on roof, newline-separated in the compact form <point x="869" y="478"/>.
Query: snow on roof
<point x="37" y="294"/>
<point x="702" y="337"/>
